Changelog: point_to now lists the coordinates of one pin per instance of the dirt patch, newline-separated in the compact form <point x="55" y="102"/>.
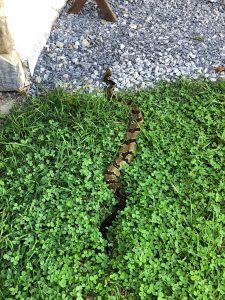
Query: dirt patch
<point x="7" y="100"/>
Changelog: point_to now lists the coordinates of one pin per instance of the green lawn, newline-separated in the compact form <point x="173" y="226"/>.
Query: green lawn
<point x="169" y="242"/>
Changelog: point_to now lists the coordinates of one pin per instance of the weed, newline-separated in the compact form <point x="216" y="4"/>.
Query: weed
<point x="198" y="38"/>
<point x="169" y="240"/>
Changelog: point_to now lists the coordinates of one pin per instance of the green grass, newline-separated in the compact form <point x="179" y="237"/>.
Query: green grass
<point x="198" y="38"/>
<point x="169" y="240"/>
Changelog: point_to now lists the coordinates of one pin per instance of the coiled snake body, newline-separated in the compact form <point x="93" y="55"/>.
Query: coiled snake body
<point x="124" y="157"/>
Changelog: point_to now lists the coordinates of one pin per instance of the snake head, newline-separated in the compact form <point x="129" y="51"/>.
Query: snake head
<point x="108" y="73"/>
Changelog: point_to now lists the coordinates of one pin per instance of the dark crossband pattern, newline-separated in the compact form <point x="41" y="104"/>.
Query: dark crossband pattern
<point x="135" y="111"/>
<point x="115" y="165"/>
<point x="109" y="173"/>
<point x="132" y="130"/>
<point x="128" y="142"/>
<point x="124" y="157"/>
<point x="140" y="119"/>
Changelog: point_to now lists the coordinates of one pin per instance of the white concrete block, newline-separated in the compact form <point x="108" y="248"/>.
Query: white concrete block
<point x="29" y="23"/>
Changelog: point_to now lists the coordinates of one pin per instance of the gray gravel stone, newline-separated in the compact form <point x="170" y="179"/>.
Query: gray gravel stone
<point x="159" y="39"/>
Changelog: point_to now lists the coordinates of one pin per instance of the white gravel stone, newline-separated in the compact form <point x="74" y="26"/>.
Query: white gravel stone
<point x="66" y="76"/>
<point x="38" y="79"/>
<point x="133" y="26"/>
<point x="85" y="43"/>
<point x="59" y="44"/>
<point x="192" y="55"/>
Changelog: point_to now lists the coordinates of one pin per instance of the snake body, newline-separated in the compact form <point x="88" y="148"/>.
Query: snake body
<point x="124" y="157"/>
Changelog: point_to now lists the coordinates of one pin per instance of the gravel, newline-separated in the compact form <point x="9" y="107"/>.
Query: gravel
<point x="152" y="40"/>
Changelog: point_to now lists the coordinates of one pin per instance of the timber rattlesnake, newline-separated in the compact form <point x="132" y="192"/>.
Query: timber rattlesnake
<point x="124" y="156"/>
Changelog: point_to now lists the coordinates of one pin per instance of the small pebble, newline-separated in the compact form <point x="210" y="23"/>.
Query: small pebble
<point x="133" y="26"/>
<point x="59" y="44"/>
<point x="38" y="79"/>
<point x="85" y="43"/>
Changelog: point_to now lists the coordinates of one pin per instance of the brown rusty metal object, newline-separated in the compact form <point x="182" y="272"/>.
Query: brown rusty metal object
<point x="104" y="6"/>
